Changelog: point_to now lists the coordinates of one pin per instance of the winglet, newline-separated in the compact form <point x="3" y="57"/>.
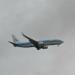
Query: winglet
<point x="25" y="36"/>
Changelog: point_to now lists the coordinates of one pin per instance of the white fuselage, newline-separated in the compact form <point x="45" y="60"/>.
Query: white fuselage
<point x="45" y="42"/>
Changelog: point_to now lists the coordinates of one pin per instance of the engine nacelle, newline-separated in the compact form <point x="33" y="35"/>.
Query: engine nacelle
<point x="45" y="47"/>
<point x="42" y="45"/>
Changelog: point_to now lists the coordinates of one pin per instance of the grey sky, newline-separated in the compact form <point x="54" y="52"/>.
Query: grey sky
<point x="38" y="19"/>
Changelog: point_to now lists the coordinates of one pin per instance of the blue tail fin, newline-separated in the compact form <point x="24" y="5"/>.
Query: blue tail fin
<point x="14" y="38"/>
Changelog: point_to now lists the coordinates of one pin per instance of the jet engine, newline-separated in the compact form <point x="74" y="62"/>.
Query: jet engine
<point x="42" y="45"/>
<point x="45" y="47"/>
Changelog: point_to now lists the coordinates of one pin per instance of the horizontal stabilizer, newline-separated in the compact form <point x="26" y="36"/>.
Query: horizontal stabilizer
<point x="12" y="43"/>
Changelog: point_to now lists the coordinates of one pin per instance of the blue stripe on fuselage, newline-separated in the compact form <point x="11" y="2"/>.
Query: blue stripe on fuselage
<point x="24" y="44"/>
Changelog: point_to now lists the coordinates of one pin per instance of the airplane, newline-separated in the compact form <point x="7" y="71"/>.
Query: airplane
<point x="33" y="43"/>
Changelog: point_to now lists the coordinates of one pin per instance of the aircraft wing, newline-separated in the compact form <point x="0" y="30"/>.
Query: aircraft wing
<point x="34" y="42"/>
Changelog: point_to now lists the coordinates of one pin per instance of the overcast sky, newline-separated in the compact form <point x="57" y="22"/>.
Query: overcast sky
<point x="38" y="19"/>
